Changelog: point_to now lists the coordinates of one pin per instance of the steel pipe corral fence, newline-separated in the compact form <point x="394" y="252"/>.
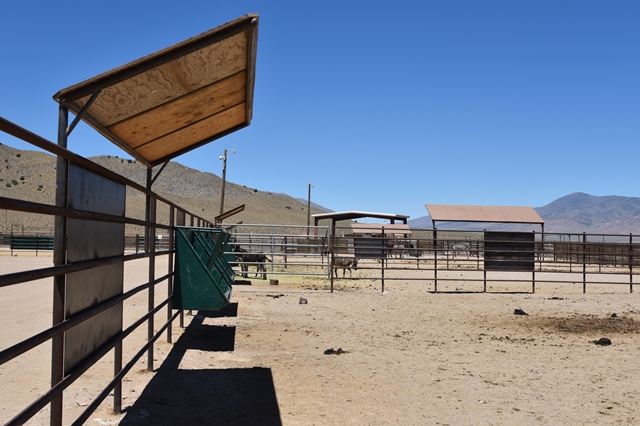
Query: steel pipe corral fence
<point x="289" y="249"/>
<point x="26" y="241"/>
<point x="154" y="247"/>
<point x="42" y="243"/>
<point x="428" y="256"/>
<point x="491" y="257"/>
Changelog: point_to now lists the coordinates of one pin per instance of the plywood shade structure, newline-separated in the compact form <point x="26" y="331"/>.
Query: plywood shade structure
<point x="177" y="99"/>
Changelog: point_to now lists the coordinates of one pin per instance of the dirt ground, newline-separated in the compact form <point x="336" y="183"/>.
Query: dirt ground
<point x="296" y="354"/>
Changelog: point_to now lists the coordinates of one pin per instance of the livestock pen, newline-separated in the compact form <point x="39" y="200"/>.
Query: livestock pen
<point x="471" y="260"/>
<point x="432" y="260"/>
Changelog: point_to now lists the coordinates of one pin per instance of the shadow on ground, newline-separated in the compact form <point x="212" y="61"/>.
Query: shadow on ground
<point x="234" y="396"/>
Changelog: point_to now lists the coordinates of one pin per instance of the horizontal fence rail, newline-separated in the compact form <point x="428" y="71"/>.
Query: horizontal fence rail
<point x="498" y="257"/>
<point x="287" y="250"/>
<point x="431" y="256"/>
<point x="145" y="303"/>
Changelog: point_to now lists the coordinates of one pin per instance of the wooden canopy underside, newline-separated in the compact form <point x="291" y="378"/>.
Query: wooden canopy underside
<point x="177" y="99"/>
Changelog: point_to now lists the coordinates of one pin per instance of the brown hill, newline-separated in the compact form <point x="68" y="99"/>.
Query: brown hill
<point x="30" y="175"/>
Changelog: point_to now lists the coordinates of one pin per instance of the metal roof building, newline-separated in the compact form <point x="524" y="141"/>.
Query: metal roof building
<point x="354" y="214"/>
<point x="494" y="214"/>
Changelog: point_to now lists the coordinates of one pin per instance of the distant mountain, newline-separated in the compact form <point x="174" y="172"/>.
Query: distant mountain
<point x="581" y="212"/>
<point x="422" y="222"/>
<point x="573" y="213"/>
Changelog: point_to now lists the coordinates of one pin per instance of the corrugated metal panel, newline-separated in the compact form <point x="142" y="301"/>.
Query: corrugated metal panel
<point x="497" y="214"/>
<point x="177" y="99"/>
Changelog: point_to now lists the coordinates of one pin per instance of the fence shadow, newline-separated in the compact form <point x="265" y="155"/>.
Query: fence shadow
<point x="238" y="396"/>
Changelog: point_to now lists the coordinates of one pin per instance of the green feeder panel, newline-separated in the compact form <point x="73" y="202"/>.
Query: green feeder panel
<point x="204" y="275"/>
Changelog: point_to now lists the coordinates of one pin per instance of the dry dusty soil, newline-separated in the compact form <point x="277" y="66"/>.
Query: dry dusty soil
<point x="297" y="354"/>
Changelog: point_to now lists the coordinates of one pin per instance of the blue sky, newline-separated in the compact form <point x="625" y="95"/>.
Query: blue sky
<point x="383" y="105"/>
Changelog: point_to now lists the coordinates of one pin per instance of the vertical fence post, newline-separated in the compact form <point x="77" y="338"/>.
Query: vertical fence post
<point x="533" y="281"/>
<point x="273" y="248"/>
<point x="584" y="262"/>
<point x="332" y="247"/>
<point x="630" y="263"/>
<point x="172" y="271"/>
<point x="59" y="258"/>
<point x="383" y="260"/>
<point x="533" y="272"/>
<point x="435" y="259"/>
<point x="150" y="245"/>
<point x="285" y="249"/>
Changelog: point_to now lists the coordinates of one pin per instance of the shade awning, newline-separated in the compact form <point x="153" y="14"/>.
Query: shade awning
<point x="497" y="214"/>
<point x="355" y="214"/>
<point x="177" y="99"/>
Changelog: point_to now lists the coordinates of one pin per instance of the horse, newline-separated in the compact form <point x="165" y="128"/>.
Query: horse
<point x="246" y="258"/>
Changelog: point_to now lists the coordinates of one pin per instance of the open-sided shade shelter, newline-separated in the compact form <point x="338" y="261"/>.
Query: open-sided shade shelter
<point x="354" y="214"/>
<point x="174" y="100"/>
<point x="495" y="214"/>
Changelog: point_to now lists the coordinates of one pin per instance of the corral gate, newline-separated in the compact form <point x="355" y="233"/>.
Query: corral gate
<point x="369" y="247"/>
<point x="509" y="251"/>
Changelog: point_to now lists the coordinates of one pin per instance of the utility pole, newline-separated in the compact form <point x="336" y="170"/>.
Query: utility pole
<point x="224" y="178"/>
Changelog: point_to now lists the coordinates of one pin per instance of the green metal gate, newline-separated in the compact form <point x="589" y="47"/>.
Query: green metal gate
<point x="204" y="276"/>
